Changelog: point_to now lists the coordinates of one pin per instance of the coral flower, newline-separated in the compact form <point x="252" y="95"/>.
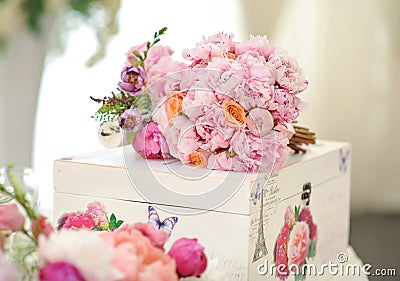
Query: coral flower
<point x="173" y="105"/>
<point x="234" y="112"/>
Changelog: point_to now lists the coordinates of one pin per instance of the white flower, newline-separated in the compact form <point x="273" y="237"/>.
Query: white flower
<point x="86" y="250"/>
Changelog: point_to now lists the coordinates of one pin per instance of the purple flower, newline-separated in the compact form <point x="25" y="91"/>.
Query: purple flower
<point x="61" y="271"/>
<point x="130" y="120"/>
<point x="133" y="79"/>
<point x="150" y="143"/>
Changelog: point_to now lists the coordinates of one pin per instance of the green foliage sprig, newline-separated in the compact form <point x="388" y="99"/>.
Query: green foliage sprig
<point x="112" y="106"/>
<point x="156" y="39"/>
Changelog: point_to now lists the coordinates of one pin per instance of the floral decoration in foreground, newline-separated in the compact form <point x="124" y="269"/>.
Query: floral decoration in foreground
<point x="88" y="246"/>
<point x="296" y="242"/>
<point x="230" y="108"/>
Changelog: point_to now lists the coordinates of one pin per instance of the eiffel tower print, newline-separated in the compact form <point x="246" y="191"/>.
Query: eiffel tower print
<point x="261" y="248"/>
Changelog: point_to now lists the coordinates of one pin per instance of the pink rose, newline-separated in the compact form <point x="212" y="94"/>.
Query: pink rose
<point x="156" y="236"/>
<point x="189" y="257"/>
<point x="11" y="218"/>
<point x="41" y="226"/>
<point x="150" y="143"/>
<point x="60" y="271"/>
<point x="299" y="241"/>
<point x="158" y="271"/>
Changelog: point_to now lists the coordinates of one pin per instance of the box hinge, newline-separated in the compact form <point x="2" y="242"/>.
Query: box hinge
<point x="306" y="194"/>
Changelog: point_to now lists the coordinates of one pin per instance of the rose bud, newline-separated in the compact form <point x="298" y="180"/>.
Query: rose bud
<point x="189" y="257"/>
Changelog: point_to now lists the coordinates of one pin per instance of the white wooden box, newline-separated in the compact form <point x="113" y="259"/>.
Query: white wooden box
<point x="222" y="209"/>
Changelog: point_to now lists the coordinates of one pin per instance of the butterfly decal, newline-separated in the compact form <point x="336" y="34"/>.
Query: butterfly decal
<point x="344" y="157"/>
<point x="166" y="225"/>
<point x="255" y="194"/>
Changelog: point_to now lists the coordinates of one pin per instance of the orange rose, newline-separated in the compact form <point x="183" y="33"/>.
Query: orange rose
<point x="231" y="56"/>
<point x="199" y="157"/>
<point x="173" y="105"/>
<point x="234" y="112"/>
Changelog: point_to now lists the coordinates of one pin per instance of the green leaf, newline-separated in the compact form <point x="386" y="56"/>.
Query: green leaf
<point x="312" y="249"/>
<point x="162" y="30"/>
<point x="137" y="54"/>
<point x="113" y="219"/>
<point x="156" y="41"/>
<point x="148" y="45"/>
<point x="81" y="6"/>
<point x="229" y="153"/>
<point x="119" y="223"/>
<point x="296" y="212"/>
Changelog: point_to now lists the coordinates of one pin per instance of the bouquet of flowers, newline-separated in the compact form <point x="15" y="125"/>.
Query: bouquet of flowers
<point x="231" y="108"/>
<point x="88" y="246"/>
<point x="296" y="243"/>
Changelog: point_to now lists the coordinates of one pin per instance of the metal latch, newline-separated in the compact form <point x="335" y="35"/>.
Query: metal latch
<point x="306" y="194"/>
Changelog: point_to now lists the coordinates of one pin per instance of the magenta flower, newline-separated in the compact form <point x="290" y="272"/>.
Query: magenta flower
<point x="60" y="271"/>
<point x="11" y="218"/>
<point x="76" y="220"/>
<point x="189" y="257"/>
<point x="150" y="143"/>
<point x="133" y="80"/>
<point x="130" y="120"/>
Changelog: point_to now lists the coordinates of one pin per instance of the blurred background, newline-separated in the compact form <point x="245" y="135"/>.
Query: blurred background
<point x="350" y="51"/>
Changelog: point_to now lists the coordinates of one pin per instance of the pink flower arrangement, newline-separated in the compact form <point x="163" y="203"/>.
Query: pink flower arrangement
<point x="91" y="246"/>
<point x="296" y="241"/>
<point x="230" y="108"/>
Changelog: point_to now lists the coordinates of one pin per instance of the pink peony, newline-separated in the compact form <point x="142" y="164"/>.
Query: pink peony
<point x="60" y="271"/>
<point x="251" y="99"/>
<point x="156" y="236"/>
<point x="285" y="107"/>
<point x="193" y="103"/>
<point x="11" y="218"/>
<point x="280" y="253"/>
<point x="267" y="154"/>
<point x="161" y="78"/>
<point x="260" y="76"/>
<point x="218" y="45"/>
<point x="84" y="249"/>
<point x="305" y="215"/>
<point x="8" y="272"/>
<point x="259" y="44"/>
<point x="189" y="257"/>
<point x="131" y="59"/>
<point x="288" y="74"/>
<point x="158" y="271"/>
<point x="135" y="256"/>
<point x="150" y="143"/>
<point x="299" y="241"/>
<point x="155" y="53"/>
<point x="41" y="226"/>
<point x="213" y="129"/>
